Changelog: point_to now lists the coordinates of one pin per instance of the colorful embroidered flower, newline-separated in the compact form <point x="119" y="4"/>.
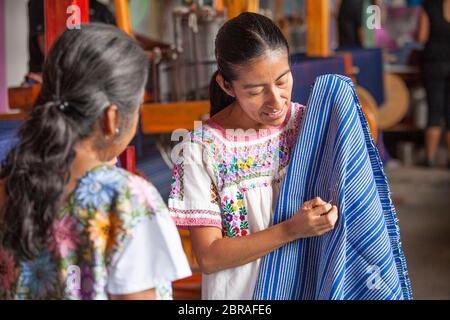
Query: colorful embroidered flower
<point x="104" y="229"/>
<point x="65" y="236"/>
<point x="176" y="186"/>
<point x="87" y="282"/>
<point x="142" y="190"/>
<point x="38" y="278"/>
<point x="98" y="188"/>
<point x="7" y="275"/>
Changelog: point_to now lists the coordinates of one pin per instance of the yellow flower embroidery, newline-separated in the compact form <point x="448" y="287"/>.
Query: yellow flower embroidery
<point x="239" y="203"/>
<point x="103" y="230"/>
<point x="83" y="213"/>
<point x="250" y="161"/>
<point x="124" y="206"/>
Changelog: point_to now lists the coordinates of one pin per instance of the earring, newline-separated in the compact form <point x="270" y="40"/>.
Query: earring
<point x="117" y="131"/>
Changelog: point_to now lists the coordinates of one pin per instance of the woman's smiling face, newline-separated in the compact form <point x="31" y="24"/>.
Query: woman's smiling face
<point x="263" y="88"/>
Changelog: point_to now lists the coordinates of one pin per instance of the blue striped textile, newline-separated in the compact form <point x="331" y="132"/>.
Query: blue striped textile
<point x="335" y="158"/>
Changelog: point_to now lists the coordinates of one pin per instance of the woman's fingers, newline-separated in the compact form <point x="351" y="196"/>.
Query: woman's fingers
<point x="317" y="201"/>
<point x="328" y="220"/>
<point x="321" y="209"/>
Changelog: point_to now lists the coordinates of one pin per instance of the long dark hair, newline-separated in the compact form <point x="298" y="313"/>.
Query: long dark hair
<point x="239" y="40"/>
<point x="86" y="71"/>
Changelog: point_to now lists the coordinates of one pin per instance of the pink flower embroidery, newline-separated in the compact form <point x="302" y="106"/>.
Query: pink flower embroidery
<point x="140" y="188"/>
<point x="7" y="275"/>
<point x="65" y="236"/>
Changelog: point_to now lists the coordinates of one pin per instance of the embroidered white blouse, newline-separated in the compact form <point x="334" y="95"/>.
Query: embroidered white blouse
<point x="230" y="180"/>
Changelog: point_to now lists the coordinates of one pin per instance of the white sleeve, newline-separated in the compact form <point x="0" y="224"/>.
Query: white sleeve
<point x="152" y="257"/>
<point x="194" y="199"/>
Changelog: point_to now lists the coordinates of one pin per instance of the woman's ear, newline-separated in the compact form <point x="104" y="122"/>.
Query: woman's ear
<point x="111" y="121"/>
<point x="225" y="85"/>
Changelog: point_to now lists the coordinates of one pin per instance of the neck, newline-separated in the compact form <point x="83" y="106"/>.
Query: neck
<point x="85" y="160"/>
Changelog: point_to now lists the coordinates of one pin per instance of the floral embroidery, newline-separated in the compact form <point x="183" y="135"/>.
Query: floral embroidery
<point x="38" y="278"/>
<point x="87" y="283"/>
<point x="177" y="184"/>
<point x="98" y="189"/>
<point x="87" y="236"/>
<point x="234" y="215"/>
<point x="144" y="193"/>
<point x="215" y="198"/>
<point x="65" y="236"/>
<point x="103" y="229"/>
<point x="7" y="274"/>
<point x="82" y="288"/>
<point x="243" y="162"/>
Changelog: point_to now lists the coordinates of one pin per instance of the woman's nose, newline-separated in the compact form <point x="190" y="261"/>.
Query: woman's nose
<point x="274" y="98"/>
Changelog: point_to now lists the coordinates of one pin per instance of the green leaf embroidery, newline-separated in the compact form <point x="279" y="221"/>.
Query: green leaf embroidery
<point x="244" y="225"/>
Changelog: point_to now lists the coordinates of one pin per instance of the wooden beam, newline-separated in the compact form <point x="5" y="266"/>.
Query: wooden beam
<point x="3" y="85"/>
<point x="167" y="117"/>
<point x="57" y="17"/>
<point x="14" y="116"/>
<point x="318" y="28"/>
<point x="23" y="98"/>
<point x="219" y="5"/>
<point x="123" y="16"/>
<point x="236" y="7"/>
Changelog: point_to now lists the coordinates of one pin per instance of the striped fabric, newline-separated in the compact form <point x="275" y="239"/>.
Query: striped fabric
<point x="335" y="159"/>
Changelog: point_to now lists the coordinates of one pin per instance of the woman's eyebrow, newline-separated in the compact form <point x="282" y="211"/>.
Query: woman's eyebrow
<point x="249" y="86"/>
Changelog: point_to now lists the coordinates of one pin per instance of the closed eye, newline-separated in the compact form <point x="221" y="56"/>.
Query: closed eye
<point x="282" y="81"/>
<point x="256" y="93"/>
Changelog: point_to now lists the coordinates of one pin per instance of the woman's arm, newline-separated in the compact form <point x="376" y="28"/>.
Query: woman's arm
<point x="215" y="253"/>
<point x="424" y="28"/>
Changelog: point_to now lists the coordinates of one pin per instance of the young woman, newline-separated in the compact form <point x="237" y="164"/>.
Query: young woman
<point x="71" y="225"/>
<point x="229" y="172"/>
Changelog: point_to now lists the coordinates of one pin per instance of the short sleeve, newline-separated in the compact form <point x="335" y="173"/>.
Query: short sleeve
<point x="194" y="199"/>
<point x="152" y="254"/>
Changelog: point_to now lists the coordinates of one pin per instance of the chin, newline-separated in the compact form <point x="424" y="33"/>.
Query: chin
<point x="274" y="121"/>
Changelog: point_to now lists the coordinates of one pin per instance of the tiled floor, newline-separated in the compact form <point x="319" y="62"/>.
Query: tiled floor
<point x="422" y="199"/>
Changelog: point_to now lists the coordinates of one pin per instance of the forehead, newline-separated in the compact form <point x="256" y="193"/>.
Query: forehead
<point x="269" y="66"/>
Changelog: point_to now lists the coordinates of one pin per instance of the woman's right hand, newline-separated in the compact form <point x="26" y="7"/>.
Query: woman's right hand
<point x="315" y="218"/>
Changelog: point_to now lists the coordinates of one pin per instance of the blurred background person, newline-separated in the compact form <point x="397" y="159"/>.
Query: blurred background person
<point x="434" y="33"/>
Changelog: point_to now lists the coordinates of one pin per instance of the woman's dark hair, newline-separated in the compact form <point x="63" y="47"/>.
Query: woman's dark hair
<point x="240" y="40"/>
<point x="86" y="71"/>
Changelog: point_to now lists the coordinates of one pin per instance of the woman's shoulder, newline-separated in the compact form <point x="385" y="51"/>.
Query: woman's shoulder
<point x="108" y="185"/>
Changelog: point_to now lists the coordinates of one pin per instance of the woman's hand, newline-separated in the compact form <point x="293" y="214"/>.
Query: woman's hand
<point x="315" y="218"/>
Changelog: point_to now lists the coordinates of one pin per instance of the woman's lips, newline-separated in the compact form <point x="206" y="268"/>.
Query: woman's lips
<point x="274" y="115"/>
